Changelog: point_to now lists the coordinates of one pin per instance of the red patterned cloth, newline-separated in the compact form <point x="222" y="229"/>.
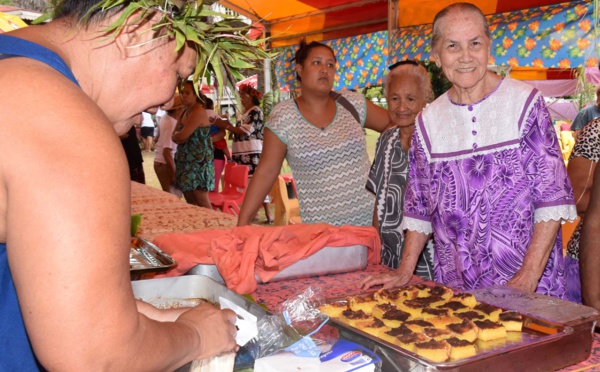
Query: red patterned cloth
<point x="243" y="251"/>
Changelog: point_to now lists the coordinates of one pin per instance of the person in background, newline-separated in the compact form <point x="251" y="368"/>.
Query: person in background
<point x="248" y="137"/>
<point x="221" y="151"/>
<point x="586" y="115"/>
<point x="194" y="170"/>
<point x="589" y="249"/>
<point x="407" y="90"/>
<point x="486" y="174"/>
<point x="582" y="164"/>
<point x="321" y="134"/>
<point x="165" y="148"/>
<point x="134" y="153"/>
<point x="66" y="302"/>
<point x="147" y="131"/>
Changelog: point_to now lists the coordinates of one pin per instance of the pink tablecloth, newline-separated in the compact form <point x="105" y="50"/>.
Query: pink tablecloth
<point x="272" y="294"/>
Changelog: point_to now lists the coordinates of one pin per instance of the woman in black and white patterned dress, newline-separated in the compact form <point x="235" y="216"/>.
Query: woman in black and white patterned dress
<point x="582" y="164"/>
<point x="407" y="90"/>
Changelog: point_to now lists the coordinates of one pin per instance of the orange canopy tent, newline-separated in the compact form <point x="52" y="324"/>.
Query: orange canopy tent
<point x="9" y="22"/>
<point x="288" y="21"/>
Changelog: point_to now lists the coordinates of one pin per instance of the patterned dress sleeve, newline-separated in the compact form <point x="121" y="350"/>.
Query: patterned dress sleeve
<point x="359" y="102"/>
<point x="277" y="119"/>
<point x="551" y="191"/>
<point x="417" y="211"/>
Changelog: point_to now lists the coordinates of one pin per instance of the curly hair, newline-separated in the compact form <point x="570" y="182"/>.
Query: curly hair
<point x="254" y="94"/>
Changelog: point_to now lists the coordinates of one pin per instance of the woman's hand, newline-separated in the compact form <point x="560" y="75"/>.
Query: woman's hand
<point x="215" y="327"/>
<point x="524" y="281"/>
<point x="389" y="280"/>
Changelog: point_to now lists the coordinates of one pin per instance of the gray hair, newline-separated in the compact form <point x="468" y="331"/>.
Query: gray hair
<point x="456" y="8"/>
<point x="416" y="71"/>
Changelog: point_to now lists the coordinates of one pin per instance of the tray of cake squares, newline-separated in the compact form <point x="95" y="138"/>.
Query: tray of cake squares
<point x="430" y="327"/>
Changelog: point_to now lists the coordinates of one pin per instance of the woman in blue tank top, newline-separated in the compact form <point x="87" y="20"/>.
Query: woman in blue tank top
<point x="66" y="92"/>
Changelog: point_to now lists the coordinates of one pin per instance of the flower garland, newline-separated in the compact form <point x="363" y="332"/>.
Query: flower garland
<point x="223" y="49"/>
<point x="249" y="89"/>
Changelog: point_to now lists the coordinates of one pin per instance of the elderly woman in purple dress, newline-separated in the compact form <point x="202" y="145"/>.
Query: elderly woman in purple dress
<point x="486" y="174"/>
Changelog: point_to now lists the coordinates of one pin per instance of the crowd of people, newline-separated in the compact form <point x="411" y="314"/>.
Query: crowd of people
<point x="469" y="189"/>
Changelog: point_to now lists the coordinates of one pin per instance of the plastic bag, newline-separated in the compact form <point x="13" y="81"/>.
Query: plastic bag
<point x="289" y="328"/>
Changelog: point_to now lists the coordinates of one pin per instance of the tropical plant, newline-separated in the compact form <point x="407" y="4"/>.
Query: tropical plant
<point x="223" y="48"/>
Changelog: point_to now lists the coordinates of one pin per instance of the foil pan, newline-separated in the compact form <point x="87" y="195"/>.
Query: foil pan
<point x="520" y="351"/>
<point x="145" y="257"/>
<point x="327" y="261"/>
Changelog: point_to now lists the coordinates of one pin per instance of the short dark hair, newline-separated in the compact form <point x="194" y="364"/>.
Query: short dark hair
<point x="208" y="103"/>
<point x="304" y="50"/>
<point x="83" y="11"/>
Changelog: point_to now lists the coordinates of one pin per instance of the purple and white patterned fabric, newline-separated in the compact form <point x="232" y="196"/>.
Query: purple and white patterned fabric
<point x="480" y="177"/>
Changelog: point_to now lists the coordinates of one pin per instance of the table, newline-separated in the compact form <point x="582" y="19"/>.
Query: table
<point x="272" y="294"/>
<point x="163" y="212"/>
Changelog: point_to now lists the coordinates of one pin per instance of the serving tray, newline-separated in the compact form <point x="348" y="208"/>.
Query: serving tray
<point x="520" y="351"/>
<point x="145" y="257"/>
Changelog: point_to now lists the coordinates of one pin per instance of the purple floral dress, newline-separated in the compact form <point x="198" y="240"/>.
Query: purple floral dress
<point x="480" y="177"/>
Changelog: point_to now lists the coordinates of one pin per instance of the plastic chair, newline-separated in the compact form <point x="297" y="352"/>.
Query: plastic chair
<point x="232" y="196"/>
<point x="286" y="210"/>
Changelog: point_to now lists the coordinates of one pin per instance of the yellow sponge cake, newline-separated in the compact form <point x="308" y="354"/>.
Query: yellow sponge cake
<point x="489" y="330"/>
<point x="390" y="296"/>
<point x="491" y="312"/>
<point x="334" y="309"/>
<point x="467" y="299"/>
<point x="408" y="341"/>
<point x="380" y="309"/>
<point x="364" y="303"/>
<point x="442" y="291"/>
<point x="394" y="318"/>
<point x="355" y="318"/>
<point x="374" y="327"/>
<point x="438" y="333"/>
<point x="391" y="335"/>
<point x="429" y="312"/>
<point x="512" y="321"/>
<point x="437" y="351"/>
<point x="461" y="349"/>
<point x="417" y="325"/>
<point x="465" y="330"/>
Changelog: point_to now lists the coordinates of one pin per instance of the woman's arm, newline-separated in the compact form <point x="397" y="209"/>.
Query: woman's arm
<point x="581" y="173"/>
<point x="225" y="124"/>
<point x="378" y="118"/>
<point x="589" y="249"/>
<point x="536" y="257"/>
<point x="72" y="231"/>
<point x="196" y="119"/>
<point x="269" y="167"/>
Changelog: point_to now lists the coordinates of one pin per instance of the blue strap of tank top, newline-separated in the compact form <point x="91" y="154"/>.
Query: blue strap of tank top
<point x="13" y="46"/>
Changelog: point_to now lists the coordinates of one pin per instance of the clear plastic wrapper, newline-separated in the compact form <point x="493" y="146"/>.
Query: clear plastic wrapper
<point x="289" y="328"/>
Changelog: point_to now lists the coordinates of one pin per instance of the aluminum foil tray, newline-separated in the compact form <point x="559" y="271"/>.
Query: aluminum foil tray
<point x="520" y="351"/>
<point x="145" y="257"/>
<point x="329" y="260"/>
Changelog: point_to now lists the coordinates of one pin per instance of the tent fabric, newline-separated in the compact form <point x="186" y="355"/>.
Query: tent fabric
<point x="9" y="22"/>
<point x="559" y="36"/>
<point x="289" y="20"/>
<point x="530" y="41"/>
<point x="362" y="62"/>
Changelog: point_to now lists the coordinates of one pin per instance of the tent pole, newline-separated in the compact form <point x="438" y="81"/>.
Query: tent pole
<point x="392" y="25"/>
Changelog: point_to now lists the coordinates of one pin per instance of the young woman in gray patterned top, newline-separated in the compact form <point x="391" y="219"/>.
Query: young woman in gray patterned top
<point x="321" y="134"/>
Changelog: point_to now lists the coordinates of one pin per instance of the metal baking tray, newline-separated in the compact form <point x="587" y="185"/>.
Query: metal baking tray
<point x="329" y="260"/>
<point x="145" y="257"/>
<point x="184" y="291"/>
<point x="526" y="352"/>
